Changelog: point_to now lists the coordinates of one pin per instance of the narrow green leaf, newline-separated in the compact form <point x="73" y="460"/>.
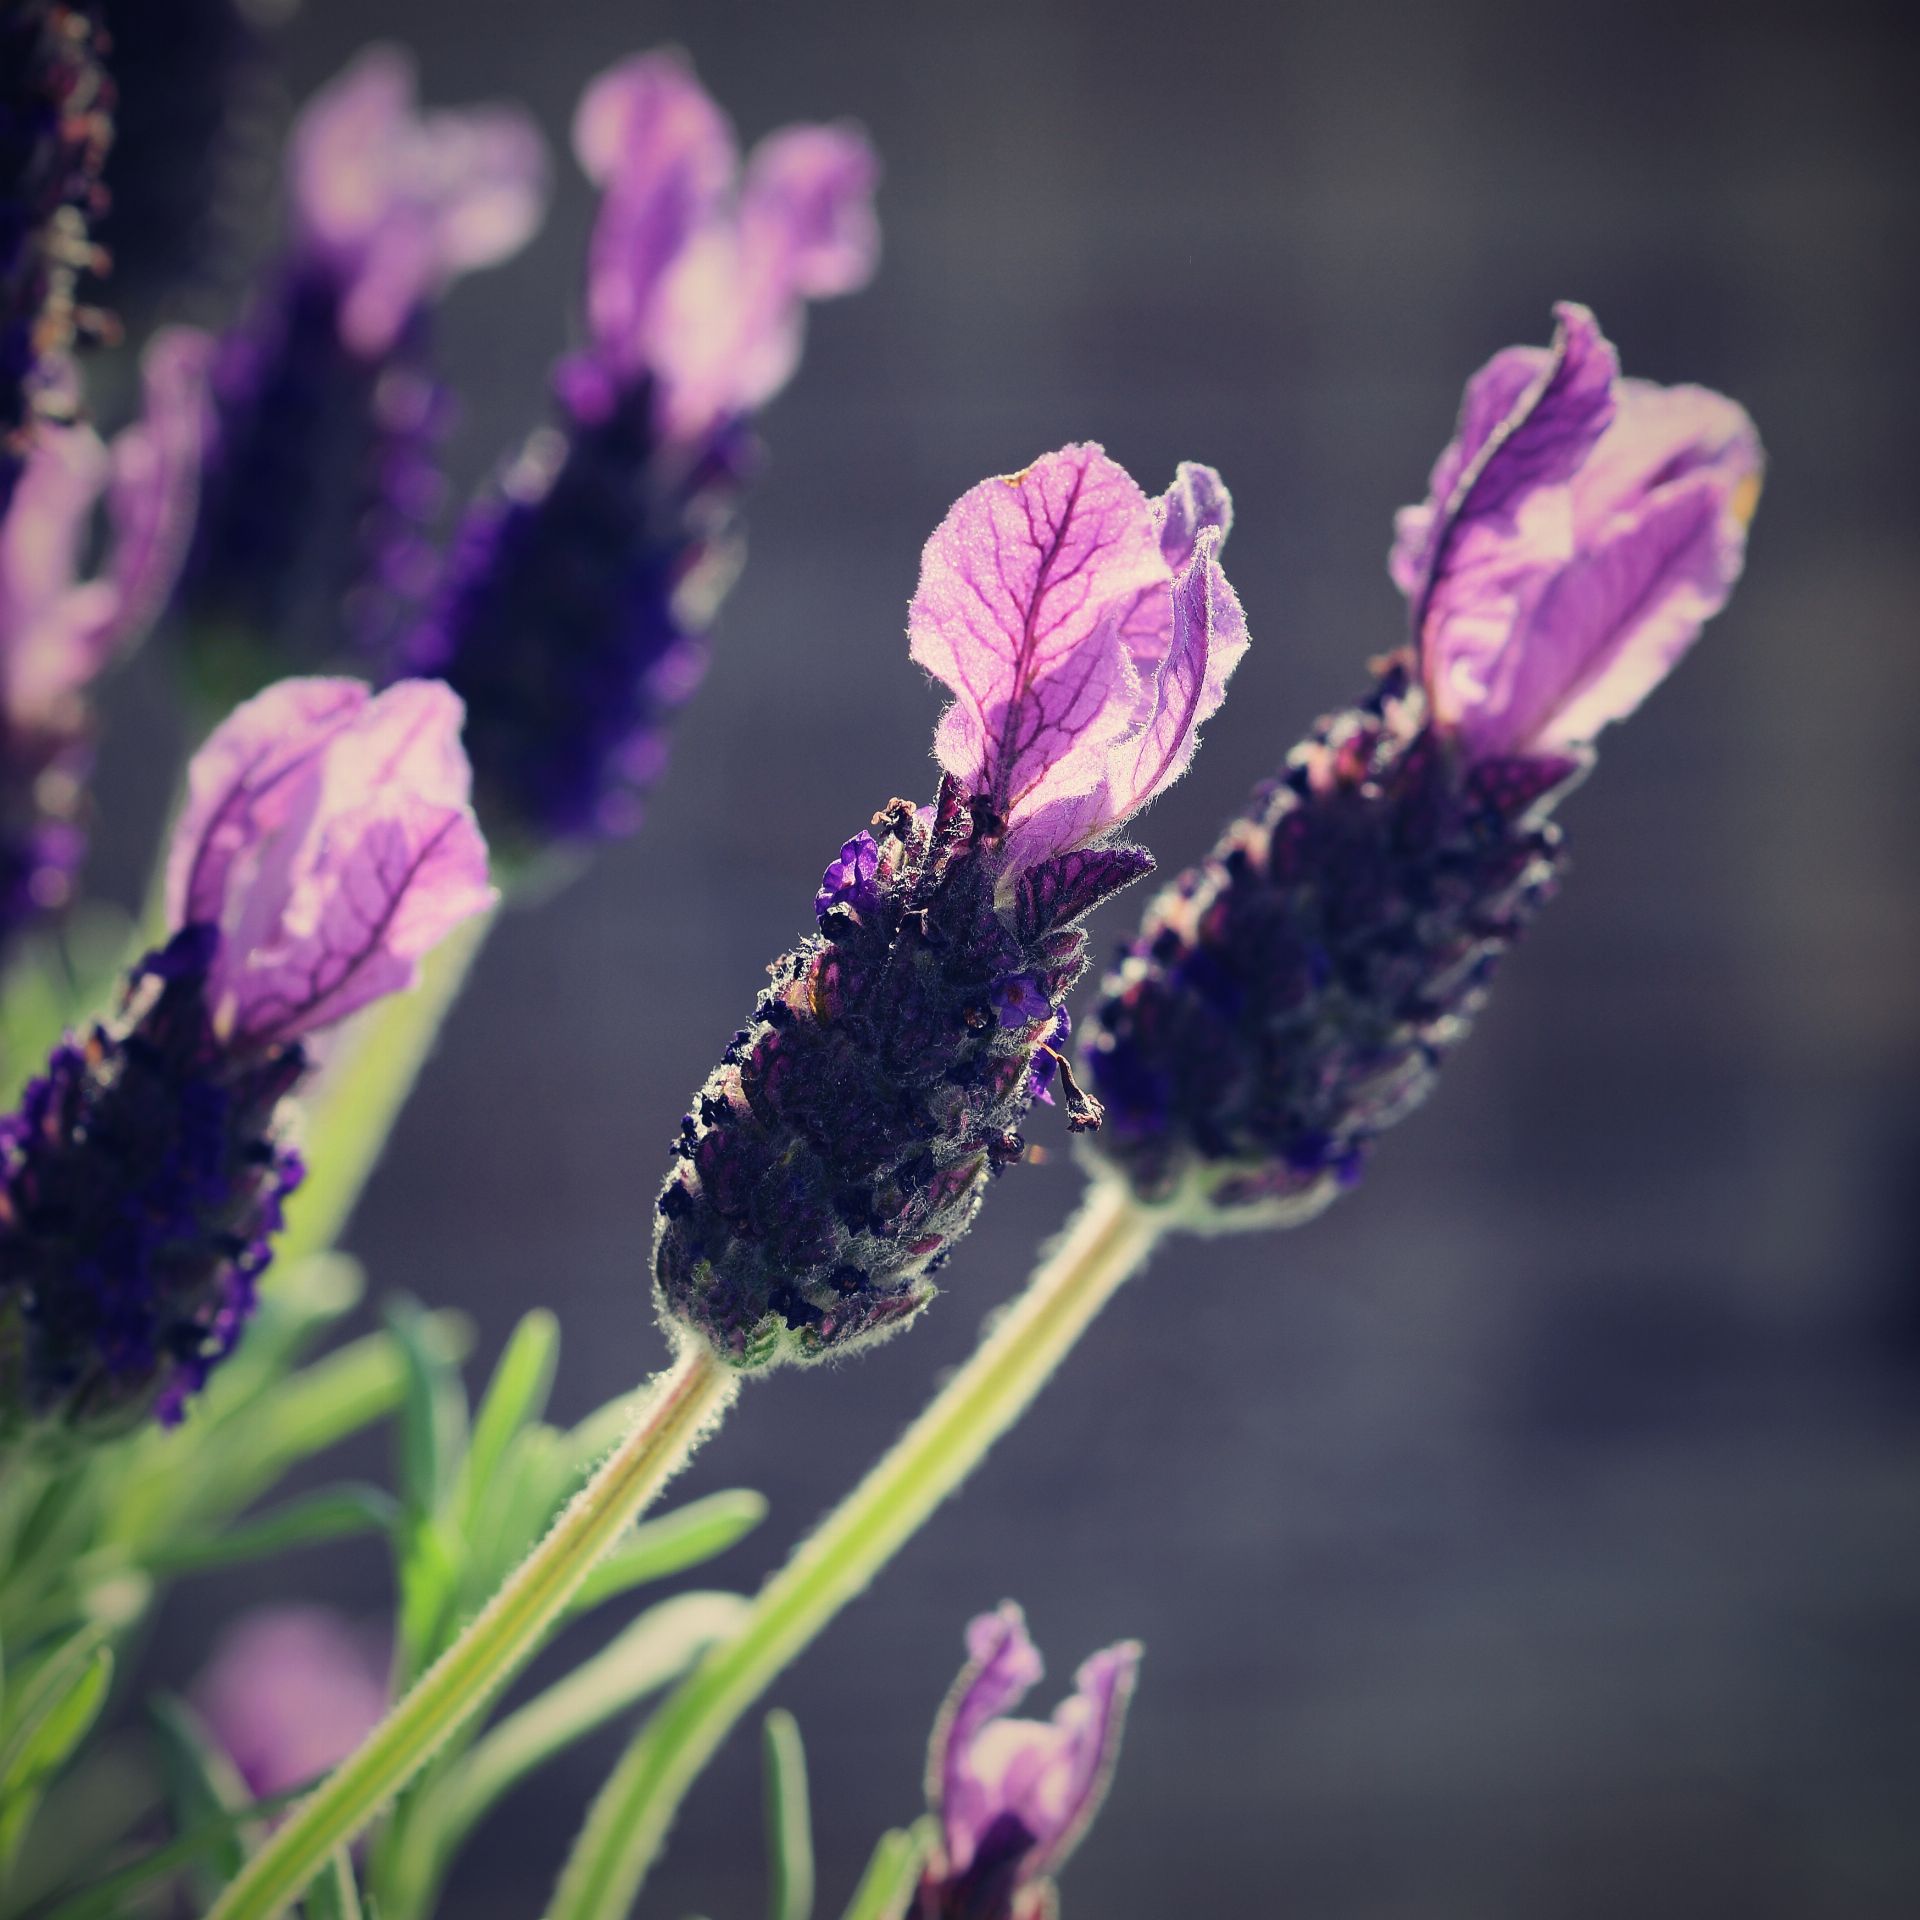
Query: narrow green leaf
<point x="676" y="1541"/>
<point x="336" y="1894"/>
<point x="203" y="1787"/>
<point x="108" y="1899"/>
<point x="516" y="1395"/>
<point x="39" y="1746"/>
<point x="433" y="1411"/>
<point x="38" y="1696"/>
<point x="330" y="1514"/>
<point x="789" y="1819"/>
<point x="892" y="1874"/>
<point x="655" y="1649"/>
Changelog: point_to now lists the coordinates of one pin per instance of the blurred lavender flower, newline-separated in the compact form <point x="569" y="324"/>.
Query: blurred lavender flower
<point x="56" y="107"/>
<point x="326" y="845"/>
<point x="1015" y="1797"/>
<point x="325" y="417"/>
<point x="58" y="631"/>
<point x="288" y="1693"/>
<point x="575" y="610"/>
<point x="847" y="1138"/>
<point x="1295" y="994"/>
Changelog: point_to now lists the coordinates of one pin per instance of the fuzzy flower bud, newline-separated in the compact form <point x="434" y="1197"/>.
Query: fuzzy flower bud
<point x="56" y="125"/>
<point x="1294" y="995"/>
<point x="575" y="610"/>
<point x="326" y="844"/>
<point x="848" y="1136"/>
<point x="1015" y="1797"/>
<point x="323" y="415"/>
<point x="59" y="631"/>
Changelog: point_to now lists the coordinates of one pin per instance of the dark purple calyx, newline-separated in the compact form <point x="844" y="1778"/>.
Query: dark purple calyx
<point x="56" y="125"/>
<point x="992" y="1887"/>
<point x="1295" y="994"/>
<point x="574" y="615"/>
<point x="321" y="482"/>
<point x="847" y="1139"/>
<point x="141" y="1182"/>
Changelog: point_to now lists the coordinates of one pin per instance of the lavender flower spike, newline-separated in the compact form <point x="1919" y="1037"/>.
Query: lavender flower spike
<point x="56" y="125"/>
<point x="1015" y="1797"/>
<point x="325" y="846"/>
<point x="574" y="617"/>
<point x="58" y="632"/>
<point x="1294" y="995"/>
<point x="324" y="416"/>
<point x="847" y="1138"/>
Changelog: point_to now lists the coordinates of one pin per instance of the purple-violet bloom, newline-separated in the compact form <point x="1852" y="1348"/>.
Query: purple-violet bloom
<point x="848" y="1136"/>
<point x="1015" y="1797"/>
<point x="325" y="846"/>
<point x="56" y="125"/>
<point x="58" y="631"/>
<point x="289" y="1692"/>
<point x="1294" y="995"/>
<point x="324" y="416"/>
<point x="575" y="612"/>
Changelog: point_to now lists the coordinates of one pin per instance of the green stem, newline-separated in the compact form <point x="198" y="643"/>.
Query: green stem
<point x="361" y="1091"/>
<point x="687" y="1399"/>
<point x="1107" y="1240"/>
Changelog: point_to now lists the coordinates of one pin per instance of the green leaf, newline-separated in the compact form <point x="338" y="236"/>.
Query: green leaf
<point x="57" y="1707"/>
<point x="330" y="1514"/>
<point x="516" y="1396"/>
<point x="654" y="1650"/>
<point x="433" y="1411"/>
<point x="203" y="1787"/>
<point x="674" y="1542"/>
<point x="108" y="1899"/>
<point x="336" y="1894"/>
<point x="892" y="1874"/>
<point x="789" y="1819"/>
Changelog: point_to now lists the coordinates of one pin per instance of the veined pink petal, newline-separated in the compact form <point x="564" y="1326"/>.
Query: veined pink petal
<point x="1022" y="588"/>
<point x="1583" y="538"/>
<point x="328" y="836"/>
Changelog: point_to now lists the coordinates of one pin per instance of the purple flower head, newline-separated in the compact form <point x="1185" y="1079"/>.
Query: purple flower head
<point x="289" y="1692"/>
<point x="325" y="845"/>
<point x="1085" y="632"/>
<point x="324" y="417"/>
<point x="56" y="126"/>
<point x="392" y="205"/>
<point x="847" y="1139"/>
<point x="1015" y="1797"/>
<point x="1578" y="531"/>
<point x="328" y="837"/>
<point x="1295" y="994"/>
<point x="59" y="630"/>
<point x="699" y="277"/>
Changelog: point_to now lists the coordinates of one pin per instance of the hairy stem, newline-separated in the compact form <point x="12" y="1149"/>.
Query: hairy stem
<point x="1107" y="1240"/>
<point x="686" y="1401"/>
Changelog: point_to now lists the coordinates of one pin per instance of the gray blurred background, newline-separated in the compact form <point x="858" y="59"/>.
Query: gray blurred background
<point x="1537" y="1534"/>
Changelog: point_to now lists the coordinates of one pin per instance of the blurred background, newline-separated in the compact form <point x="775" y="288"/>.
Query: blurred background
<point x="1538" y="1533"/>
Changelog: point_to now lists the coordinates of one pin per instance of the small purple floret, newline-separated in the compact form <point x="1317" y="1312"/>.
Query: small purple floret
<point x="1015" y="1797"/>
<point x="850" y="880"/>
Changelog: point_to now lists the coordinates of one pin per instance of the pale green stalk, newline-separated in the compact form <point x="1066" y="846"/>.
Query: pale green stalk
<point x="686" y="1401"/>
<point x="1107" y="1240"/>
<point x="351" y="1110"/>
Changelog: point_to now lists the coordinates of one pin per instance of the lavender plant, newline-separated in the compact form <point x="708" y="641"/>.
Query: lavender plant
<point x="1283" y="1004"/>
